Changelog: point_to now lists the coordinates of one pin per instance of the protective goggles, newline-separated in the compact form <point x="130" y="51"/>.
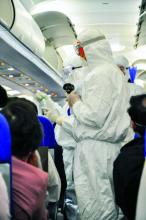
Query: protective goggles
<point x="79" y="50"/>
<point x="77" y="47"/>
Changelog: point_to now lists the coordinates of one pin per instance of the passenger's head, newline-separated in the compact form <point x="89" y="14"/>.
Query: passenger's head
<point x="3" y="97"/>
<point x="32" y="104"/>
<point x="95" y="45"/>
<point x="123" y="64"/>
<point x="137" y="112"/>
<point x="25" y="128"/>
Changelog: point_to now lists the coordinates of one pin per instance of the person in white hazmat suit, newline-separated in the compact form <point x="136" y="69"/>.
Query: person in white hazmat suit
<point x="101" y="124"/>
<point x="123" y="64"/>
<point x="68" y="143"/>
<point x="65" y="139"/>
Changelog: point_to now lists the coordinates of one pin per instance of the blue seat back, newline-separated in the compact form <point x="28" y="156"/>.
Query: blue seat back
<point x="48" y="131"/>
<point x="5" y="153"/>
<point x="5" y="141"/>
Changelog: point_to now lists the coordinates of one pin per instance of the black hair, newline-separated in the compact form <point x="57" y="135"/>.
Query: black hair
<point x="137" y="112"/>
<point x="3" y="97"/>
<point x="32" y="104"/>
<point x="26" y="132"/>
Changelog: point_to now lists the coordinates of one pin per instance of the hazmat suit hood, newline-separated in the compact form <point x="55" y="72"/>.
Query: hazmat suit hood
<point x="121" y="60"/>
<point x="96" y="47"/>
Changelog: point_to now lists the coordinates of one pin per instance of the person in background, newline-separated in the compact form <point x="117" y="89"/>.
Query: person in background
<point x="29" y="183"/>
<point x="123" y="64"/>
<point x="129" y="163"/>
<point x="4" y="201"/>
<point x="68" y="143"/>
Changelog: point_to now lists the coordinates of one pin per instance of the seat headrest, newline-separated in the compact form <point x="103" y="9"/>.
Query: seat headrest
<point x="48" y="133"/>
<point x="5" y="140"/>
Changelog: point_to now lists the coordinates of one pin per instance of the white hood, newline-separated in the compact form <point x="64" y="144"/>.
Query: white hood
<point x="97" y="48"/>
<point x="121" y="60"/>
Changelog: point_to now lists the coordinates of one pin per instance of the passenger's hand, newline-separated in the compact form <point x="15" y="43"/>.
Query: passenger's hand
<point x="73" y="98"/>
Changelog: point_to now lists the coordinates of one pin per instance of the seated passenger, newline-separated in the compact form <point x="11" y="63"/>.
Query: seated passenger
<point x="4" y="201"/>
<point x="129" y="164"/>
<point x="3" y="97"/>
<point x="29" y="183"/>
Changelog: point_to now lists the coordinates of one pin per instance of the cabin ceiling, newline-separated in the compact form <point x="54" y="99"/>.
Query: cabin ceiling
<point x="117" y="19"/>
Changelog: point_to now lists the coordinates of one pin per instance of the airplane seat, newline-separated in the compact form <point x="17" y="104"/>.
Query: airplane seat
<point x="5" y="141"/>
<point x="48" y="131"/>
<point x="5" y="154"/>
<point x="48" y="141"/>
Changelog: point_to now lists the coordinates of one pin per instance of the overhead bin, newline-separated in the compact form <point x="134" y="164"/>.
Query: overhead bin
<point x="18" y="20"/>
<point x="22" y="47"/>
<point x="22" y="59"/>
<point x="58" y="31"/>
<point x="7" y="13"/>
<point x="56" y="28"/>
<point x="141" y="30"/>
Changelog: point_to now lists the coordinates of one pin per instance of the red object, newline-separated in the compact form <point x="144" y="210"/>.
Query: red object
<point x="82" y="53"/>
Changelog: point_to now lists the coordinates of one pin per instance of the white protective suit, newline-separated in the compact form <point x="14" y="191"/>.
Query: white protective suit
<point x="4" y="200"/>
<point x="54" y="186"/>
<point x="68" y="143"/>
<point x="63" y="138"/>
<point x="101" y="124"/>
<point x="54" y="182"/>
<point x="122" y="62"/>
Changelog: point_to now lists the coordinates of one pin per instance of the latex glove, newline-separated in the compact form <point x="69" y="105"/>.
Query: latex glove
<point x="55" y="117"/>
<point x="46" y="101"/>
<point x="40" y="96"/>
<point x="72" y="98"/>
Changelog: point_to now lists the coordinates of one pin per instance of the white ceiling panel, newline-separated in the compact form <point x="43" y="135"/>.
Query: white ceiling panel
<point x="116" y="18"/>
